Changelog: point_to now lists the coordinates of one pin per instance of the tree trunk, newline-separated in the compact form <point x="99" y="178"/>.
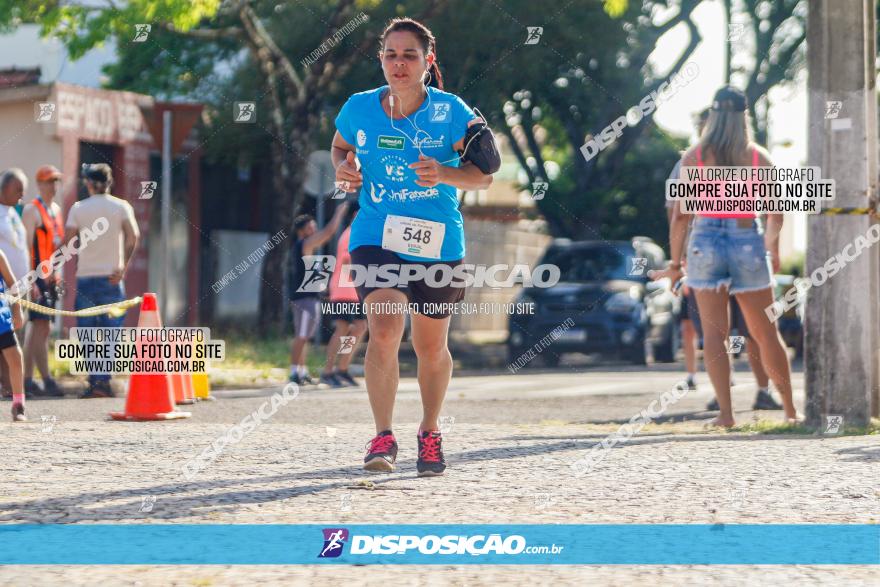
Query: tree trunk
<point x="287" y="179"/>
<point x="289" y="160"/>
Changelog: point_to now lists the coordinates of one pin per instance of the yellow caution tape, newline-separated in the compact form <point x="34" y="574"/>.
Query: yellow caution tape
<point x="115" y="309"/>
<point x="847" y="211"/>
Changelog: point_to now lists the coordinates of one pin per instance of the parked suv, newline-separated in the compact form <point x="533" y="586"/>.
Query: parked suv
<point x="612" y="306"/>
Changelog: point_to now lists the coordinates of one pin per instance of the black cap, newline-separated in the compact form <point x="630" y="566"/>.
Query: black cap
<point x="98" y="172"/>
<point x="730" y="99"/>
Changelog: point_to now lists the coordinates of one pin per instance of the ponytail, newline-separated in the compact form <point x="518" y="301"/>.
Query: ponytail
<point x="435" y="78"/>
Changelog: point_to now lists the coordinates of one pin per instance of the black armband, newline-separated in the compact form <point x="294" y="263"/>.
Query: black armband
<point x="481" y="149"/>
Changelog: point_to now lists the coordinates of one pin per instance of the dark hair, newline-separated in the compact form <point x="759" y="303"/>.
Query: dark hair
<point x="100" y="174"/>
<point x="302" y="220"/>
<point x="730" y="99"/>
<point x="425" y="36"/>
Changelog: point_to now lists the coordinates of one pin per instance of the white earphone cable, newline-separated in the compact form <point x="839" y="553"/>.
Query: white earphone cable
<point x="417" y="143"/>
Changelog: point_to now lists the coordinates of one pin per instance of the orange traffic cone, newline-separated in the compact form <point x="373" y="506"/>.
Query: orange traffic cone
<point x="188" y="390"/>
<point x="149" y="396"/>
<point x="179" y="388"/>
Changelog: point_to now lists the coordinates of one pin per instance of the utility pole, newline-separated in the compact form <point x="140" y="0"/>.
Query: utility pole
<point x="728" y="49"/>
<point x="166" y="214"/>
<point x="842" y="330"/>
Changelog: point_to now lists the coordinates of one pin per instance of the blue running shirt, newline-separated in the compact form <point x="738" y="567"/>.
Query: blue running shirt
<point x="385" y="150"/>
<point x="6" y="323"/>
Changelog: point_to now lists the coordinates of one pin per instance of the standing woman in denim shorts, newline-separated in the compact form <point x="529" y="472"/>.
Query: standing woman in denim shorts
<point x="730" y="254"/>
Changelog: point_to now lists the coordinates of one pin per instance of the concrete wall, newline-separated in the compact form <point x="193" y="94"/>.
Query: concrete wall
<point x="490" y="242"/>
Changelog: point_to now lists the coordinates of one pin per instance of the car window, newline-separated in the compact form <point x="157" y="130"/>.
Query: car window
<point x="589" y="264"/>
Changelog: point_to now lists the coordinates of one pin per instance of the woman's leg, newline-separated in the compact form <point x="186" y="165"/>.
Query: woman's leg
<point x="435" y="365"/>
<point x="333" y="345"/>
<point x="381" y="367"/>
<point x="756" y="364"/>
<point x="713" y="315"/>
<point x="14" y="364"/>
<point x="28" y="349"/>
<point x="12" y="358"/>
<point x="766" y="335"/>
<point x="689" y="345"/>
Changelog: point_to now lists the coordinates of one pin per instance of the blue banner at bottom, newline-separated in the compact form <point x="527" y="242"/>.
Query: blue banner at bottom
<point x="452" y="544"/>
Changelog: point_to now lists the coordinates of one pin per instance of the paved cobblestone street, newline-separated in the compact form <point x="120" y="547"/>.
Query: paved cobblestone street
<point x="509" y="462"/>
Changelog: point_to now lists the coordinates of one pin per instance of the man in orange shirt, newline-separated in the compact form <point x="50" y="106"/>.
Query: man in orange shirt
<point x="45" y="230"/>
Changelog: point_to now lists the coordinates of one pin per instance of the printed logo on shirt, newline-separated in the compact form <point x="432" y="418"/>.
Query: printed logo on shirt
<point x="386" y="142"/>
<point x="376" y="195"/>
<point x="361" y="138"/>
<point x="440" y="111"/>
<point x="405" y="194"/>
<point x="431" y="143"/>
<point x="394" y="166"/>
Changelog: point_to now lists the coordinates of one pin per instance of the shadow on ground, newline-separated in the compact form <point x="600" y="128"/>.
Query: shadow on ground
<point x="198" y="499"/>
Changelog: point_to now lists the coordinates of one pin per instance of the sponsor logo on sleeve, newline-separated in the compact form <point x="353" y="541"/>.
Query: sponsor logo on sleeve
<point x="440" y="111"/>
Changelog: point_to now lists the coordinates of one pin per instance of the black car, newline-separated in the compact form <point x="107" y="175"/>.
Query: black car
<point x="603" y="303"/>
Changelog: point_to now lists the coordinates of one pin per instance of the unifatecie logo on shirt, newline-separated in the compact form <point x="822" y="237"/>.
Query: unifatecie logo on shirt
<point x="378" y="193"/>
<point x="386" y="142"/>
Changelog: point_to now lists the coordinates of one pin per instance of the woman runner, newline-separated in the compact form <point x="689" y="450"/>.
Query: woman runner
<point x="397" y="146"/>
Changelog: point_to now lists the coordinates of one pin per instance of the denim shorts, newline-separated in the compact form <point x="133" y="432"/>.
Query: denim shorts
<point x="97" y="291"/>
<point x="722" y="254"/>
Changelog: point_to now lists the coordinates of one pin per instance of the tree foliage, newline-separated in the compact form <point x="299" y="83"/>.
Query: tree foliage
<point x="590" y="65"/>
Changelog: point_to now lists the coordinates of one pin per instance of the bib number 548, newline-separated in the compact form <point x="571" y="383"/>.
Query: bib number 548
<point x="420" y="236"/>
